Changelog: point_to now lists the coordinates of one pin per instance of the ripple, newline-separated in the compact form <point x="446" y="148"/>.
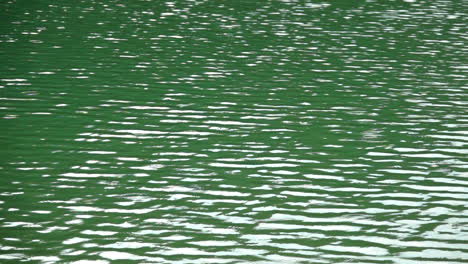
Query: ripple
<point x="228" y="132"/>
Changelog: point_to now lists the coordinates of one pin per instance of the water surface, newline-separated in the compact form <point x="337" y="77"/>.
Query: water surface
<point x="233" y="132"/>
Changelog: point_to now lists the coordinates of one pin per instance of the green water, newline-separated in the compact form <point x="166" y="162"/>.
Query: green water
<point x="233" y="132"/>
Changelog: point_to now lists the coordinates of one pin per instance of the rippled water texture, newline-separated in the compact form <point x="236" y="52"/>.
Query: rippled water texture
<point x="233" y="132"/>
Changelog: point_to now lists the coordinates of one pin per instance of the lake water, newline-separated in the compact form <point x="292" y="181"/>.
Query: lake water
<point x="233" y="132"/>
